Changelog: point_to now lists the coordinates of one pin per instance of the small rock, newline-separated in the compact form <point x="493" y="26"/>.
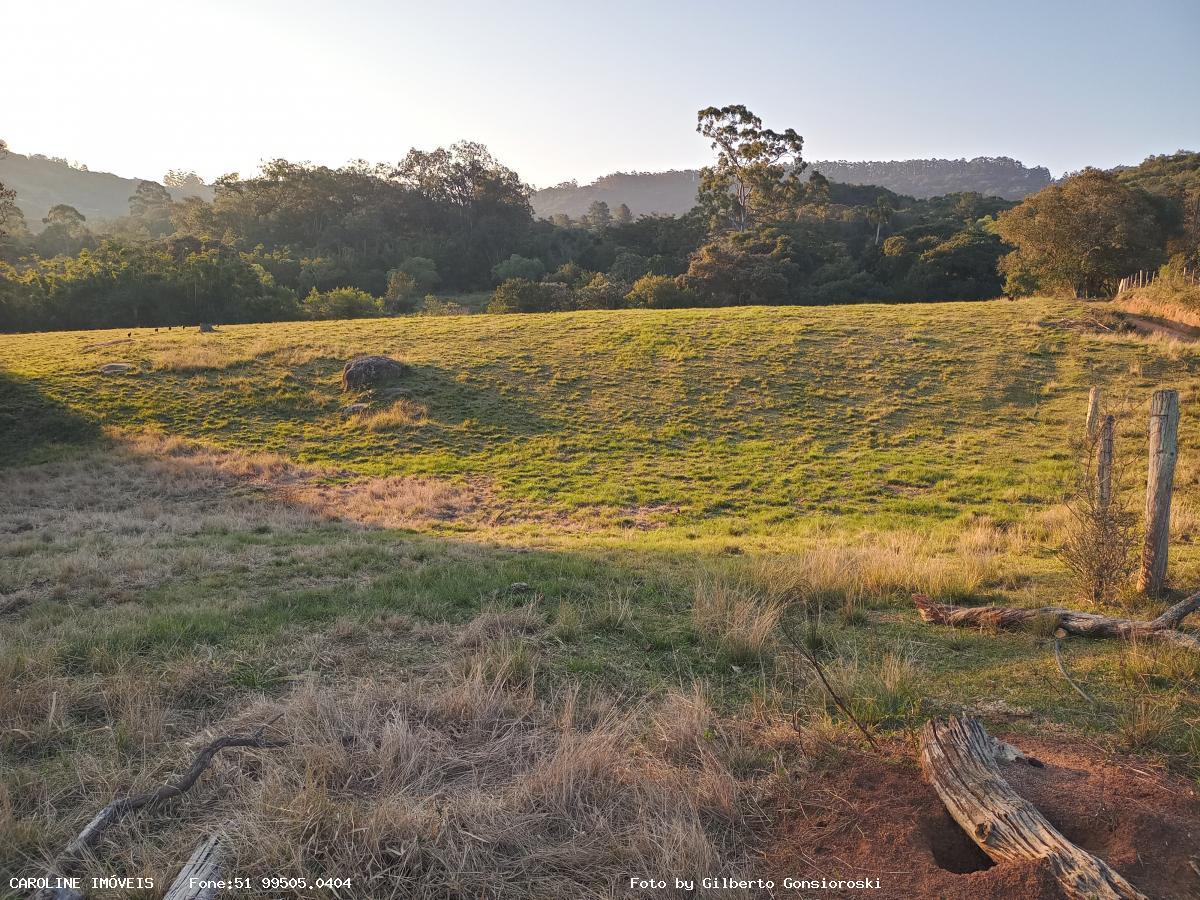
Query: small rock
<point x="114" y="368"/>
<point x="367" y="371"/>
<point x="520" y="587"/>
<point x="353" y="409"/>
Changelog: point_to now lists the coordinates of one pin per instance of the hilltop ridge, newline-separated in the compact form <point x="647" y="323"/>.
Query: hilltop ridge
<point x="674" y="192"/>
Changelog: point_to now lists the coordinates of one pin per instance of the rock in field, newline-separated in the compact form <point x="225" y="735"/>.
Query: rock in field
<point x="367" y="371"/>
<point x="114" y="368"/>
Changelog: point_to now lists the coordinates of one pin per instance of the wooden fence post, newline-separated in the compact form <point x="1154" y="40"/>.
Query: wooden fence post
<point x="1160" y="478"/>
<point x="1104" y="466"/>
<point x="1093" y="414"/>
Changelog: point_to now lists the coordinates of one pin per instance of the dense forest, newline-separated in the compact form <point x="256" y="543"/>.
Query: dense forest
<point x="304" y="241"/>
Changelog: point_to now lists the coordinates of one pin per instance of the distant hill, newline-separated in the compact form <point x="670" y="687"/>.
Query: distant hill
<point x="42" y="182"/>
<point x="668" y="193"/>
<point x="675" y="192"/>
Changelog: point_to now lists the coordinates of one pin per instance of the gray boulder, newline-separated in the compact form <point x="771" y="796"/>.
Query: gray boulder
<point x="365" y="372"/>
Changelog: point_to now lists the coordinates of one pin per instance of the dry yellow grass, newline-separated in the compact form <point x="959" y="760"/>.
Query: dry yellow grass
<point x="402" y="413"/>
<point x="886" y="566"/>
<point x="463" y="781"/>
<point x="739" y="622"/>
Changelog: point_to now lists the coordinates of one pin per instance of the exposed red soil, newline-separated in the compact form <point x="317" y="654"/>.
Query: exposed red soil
<point x="1156" y="325"/>
<point x="867" y="816"/>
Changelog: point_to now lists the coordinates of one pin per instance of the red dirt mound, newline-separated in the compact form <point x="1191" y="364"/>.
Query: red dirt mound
<point x="877" y="817"/>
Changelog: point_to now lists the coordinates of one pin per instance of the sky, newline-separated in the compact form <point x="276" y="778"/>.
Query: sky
<point x="570" y="90"/>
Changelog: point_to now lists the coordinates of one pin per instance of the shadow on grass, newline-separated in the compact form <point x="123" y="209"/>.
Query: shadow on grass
<point x="34" y="426"/>
<point x="466" y="414"/>
<point x="492" y="412"/>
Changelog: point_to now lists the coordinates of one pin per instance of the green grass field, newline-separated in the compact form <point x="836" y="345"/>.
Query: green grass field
<point x="211" y="531"/>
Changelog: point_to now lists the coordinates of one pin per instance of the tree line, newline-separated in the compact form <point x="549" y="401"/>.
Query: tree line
<point x="303" y="241"/>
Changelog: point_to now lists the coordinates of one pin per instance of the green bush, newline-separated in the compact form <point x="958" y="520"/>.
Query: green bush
<point x="658" y="292"/>
<point x="341" y="303"/>
<point x="517" y="266"/>
<point x="118" y="285"/>
<point x="423" y="272"/>
<point x="519" y="295"/>
<point x="601" y="293"/>
<point x="402" y="292"/>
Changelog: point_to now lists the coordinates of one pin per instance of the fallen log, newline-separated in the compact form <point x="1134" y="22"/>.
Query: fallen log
<point x="1160" y="630"/>
<point x="959" y="760"/>
<point x="197" y="880"/>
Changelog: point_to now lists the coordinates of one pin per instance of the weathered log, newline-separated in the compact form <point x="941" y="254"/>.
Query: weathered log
<point x="196" y="880"/>
<point x="958" y="758"/>
<point x="1161" y="630"/>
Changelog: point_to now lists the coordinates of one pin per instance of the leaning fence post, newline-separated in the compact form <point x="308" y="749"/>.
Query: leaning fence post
<point x="1104" y="465"/>
<point x="1160" y="477"/>
<point x="1093" y="413"/>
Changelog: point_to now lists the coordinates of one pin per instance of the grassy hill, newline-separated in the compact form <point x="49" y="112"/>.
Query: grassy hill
<point x="625" y="501"/>
<point x="904" y="412"/>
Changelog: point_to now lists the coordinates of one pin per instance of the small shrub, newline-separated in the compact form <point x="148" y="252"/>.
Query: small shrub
<point x="1098" y="548"/>
<point x="341" y="303"/>
<point x="436" y="306"/>
<point x="401" y="293"/>
<point x="602" y="293"/>
<point x="659" y="292"/>
<point x="517" y="266"/>
<point x="519" y="295"/>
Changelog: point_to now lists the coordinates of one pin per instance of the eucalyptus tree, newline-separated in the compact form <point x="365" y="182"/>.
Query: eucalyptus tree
<point x="756" y="176"/>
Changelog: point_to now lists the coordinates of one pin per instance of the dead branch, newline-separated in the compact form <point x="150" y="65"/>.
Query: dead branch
<point x="812" y="661"/>
<point x="1161" y="629"/>
<point x="70" y="857"/>
<point x="1059" y="634"/>
<point x="959" y="761"/>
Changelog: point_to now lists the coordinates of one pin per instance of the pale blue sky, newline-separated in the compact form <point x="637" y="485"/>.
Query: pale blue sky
<point x="564" y="90"/>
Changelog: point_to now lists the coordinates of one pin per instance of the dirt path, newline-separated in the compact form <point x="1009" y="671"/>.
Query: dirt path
<point x="1155" y="326"/>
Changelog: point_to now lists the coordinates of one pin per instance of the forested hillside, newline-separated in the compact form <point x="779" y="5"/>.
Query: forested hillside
<point x="42" y="182"/>
<point x="674" y="192"/>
